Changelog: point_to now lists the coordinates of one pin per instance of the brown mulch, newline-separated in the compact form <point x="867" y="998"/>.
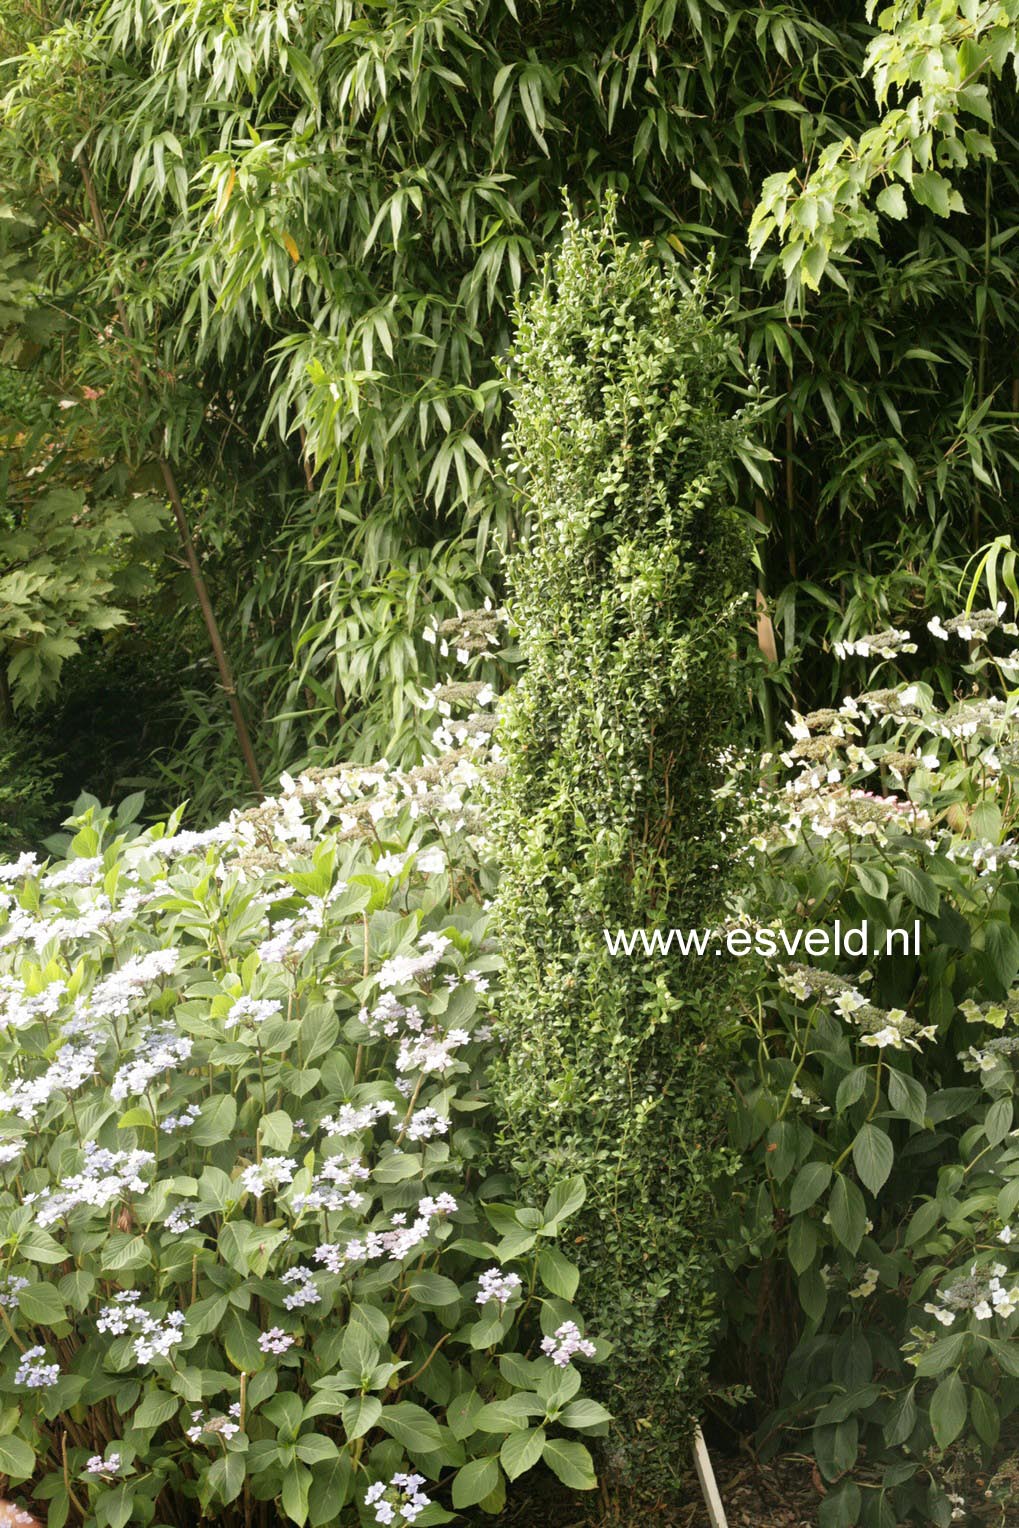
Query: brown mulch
<point x="782" y="1494"/>
<point x="785" y="1493"/>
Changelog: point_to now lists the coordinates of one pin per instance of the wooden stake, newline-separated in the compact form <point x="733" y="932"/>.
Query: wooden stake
<point x="709" y="1486"/>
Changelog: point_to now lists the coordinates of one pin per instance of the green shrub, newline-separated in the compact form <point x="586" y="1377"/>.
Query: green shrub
<point x="26" y="791"/>
<point x="249" y="1217"/>
<point x="872" y="1250"/>
<point x="624" y="593"/>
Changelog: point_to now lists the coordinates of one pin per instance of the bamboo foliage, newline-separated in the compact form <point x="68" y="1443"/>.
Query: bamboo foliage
<point x="320" y="217"/>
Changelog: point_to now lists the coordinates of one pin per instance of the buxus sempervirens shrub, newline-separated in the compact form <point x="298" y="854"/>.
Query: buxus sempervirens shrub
<point x="624" y="595"/>
<point x="255" y="1261"/>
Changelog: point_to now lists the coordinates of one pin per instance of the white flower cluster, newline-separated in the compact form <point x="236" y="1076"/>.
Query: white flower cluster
<point x="411" y="968"/>
<point x="304" y="1290"/>
<point x="224" y="1427"/>
<point x="432" y="1052"/>
<point x="566" y="1344"/>
<point x="426" y="1123"/>
<point x="401" y="1501"/>
<point x="982" y="1293"/>
<point x="383" y="1021"/>
<point x="867" y="1285"/>
<point x="20" y="869"/>
<point x="105" y="1177"/>
<point x="394" y="1244"/>
<point x="72" y="1066"/>
<point x="251" y="1010"/>
<point x="19" y="1008"/>
<point x="974" y="625"/>
<point x="351" y="1121"/>
<point x="113" y="996"/>
<point x="179" y="1220"/>
<point x="496" y="1285"/>
<point x="158" y="1051"/>
<point x="269" y="1173"/>
<point x="883" y="644"/>
<point x="10" y="1288"/>
<point x="884" y="1028"/>
<point x="288" y="941"/>
<point x="108" y="1467"/>
<point x="332" y="1188"/>
<point x="156" y="1336"/>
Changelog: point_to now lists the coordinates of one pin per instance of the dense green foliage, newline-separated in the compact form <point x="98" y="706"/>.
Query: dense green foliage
<point x="624" y="596"/>
<point x="315" y="221"/>
<point x="876" y="1290"/>
<point x="274" y="281"/>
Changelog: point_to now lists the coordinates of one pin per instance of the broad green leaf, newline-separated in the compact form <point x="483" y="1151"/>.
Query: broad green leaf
<point x="571" y="1462"/>
<point x="17" y="1458"/>
<point x="565" y="1200"/>
<point x="359" y="1415"/>
<point x="42" y="1303"/>
<point x="558" y="1275"/>
<point x="412" y="1426"/>
<point x="808" y="1186"/>
<point x="848" y="1213"/>
<point x="584" y="1413"/>
<point x="1001" y="946"/>
<point x="216" y="1121"/>
<point x="873" y="1157"/>
<point x="907" y="1096"/>
<point x="948" y="1410"/>
<point x="984" y="1413"/>
<point x="475" y="1481"/>
<point x="521" y="1451"/>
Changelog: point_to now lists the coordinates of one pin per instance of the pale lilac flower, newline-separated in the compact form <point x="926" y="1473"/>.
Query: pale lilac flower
<point x="179" y="1220"/>
<point x="97" y="1465"/>
<point x="275" y="1340"/>
<point x="401" y="1501"/>
<point x="305" y="1291"/>
<point x="174" y="1122"/>
<point x="10" y="1289"/>
<point x="35" y="1374"/>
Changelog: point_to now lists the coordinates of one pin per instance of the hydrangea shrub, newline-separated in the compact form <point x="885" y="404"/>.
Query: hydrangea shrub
<point x="874" y="1249"/>
<point x="258" y="1263"/>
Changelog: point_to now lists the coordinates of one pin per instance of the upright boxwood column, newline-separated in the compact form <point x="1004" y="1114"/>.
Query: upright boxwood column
<point x="625" y="592"/>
